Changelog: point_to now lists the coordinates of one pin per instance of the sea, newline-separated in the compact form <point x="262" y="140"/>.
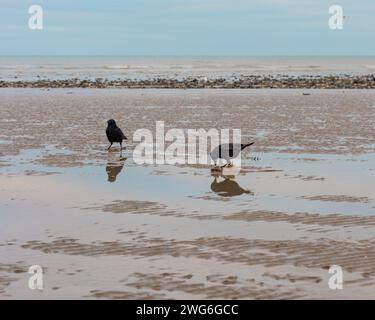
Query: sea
<point x="31" y="68"/>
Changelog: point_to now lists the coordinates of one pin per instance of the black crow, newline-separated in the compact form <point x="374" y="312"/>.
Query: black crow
<point x="114" y="133"/>
<point x="228" y="151"/>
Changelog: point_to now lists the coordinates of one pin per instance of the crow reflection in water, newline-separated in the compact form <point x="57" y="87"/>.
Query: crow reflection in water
<point x="228" y="187"/>
<point x="113" y="169"/>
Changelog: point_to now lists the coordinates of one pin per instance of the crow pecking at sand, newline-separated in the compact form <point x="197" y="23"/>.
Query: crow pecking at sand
<point x="228" y="151"/>
<point x="114" y="133"/>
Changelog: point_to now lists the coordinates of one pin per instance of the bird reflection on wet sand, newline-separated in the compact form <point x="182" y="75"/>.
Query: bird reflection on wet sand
<point x="114" y="168"/>
<point x="228" y="187"/>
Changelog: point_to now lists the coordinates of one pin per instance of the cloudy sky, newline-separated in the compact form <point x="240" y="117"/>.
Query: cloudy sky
<point x="187" y="27"/>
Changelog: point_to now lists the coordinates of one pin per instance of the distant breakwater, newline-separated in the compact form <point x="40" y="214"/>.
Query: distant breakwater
<point x="245" y="82"/>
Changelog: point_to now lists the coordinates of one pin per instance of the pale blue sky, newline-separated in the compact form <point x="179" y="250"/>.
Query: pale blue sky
<point x="187" y="27"/>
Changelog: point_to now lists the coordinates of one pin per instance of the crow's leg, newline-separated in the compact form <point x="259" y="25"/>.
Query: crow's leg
<point x="120" y="149"/>
<point x="109" y="146"/>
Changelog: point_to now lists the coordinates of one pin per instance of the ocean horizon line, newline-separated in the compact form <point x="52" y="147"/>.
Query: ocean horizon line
<point x="185" y="56"/>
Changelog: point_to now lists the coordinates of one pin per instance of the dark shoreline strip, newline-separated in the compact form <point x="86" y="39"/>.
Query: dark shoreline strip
<point x="248" y="82"/>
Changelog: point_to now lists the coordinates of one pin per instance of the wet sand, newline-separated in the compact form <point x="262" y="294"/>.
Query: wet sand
<point x="105" y="228"/>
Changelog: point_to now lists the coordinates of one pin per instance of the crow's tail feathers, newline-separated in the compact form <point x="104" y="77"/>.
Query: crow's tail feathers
<point x="123" y="136"/>
<point x="247" y="145"/>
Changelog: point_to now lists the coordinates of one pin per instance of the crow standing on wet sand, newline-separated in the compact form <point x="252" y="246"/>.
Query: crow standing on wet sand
<point x="228" y="151"/>
<point x="114" y="133"/>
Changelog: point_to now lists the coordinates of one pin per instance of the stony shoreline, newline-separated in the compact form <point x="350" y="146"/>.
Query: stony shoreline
<point x="245" y="82"/>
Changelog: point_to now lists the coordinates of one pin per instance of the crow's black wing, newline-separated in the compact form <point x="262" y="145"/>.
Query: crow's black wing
<point x="228" y="150"/>
<point x="120" y="133"/>
<point x="115" y="135"/>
